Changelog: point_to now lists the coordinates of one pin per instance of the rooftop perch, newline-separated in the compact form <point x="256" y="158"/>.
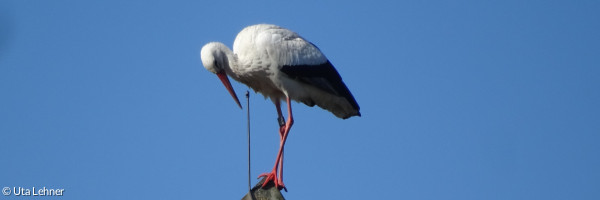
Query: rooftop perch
<point x="269" y="192"/>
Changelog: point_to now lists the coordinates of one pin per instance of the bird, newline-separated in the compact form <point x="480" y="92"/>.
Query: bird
<point x="282" y="66"/>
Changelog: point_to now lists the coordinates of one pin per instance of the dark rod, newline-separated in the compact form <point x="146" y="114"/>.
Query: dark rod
<point x="248" y="117"/>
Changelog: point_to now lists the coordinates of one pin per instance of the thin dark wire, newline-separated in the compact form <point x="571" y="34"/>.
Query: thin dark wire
<point x="248" y="117"/>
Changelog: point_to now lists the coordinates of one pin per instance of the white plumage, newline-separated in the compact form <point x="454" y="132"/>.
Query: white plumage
<point x="259" y="54"/>
<point x="280" y="64"/>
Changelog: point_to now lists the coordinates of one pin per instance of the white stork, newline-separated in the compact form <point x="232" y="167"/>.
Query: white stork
<point x="281" y="65"/>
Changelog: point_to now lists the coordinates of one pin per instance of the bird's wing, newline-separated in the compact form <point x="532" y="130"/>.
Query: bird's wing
<point x="288" y="48"/>
<point x="303" y="61"/>
<point x="324" y="77"/>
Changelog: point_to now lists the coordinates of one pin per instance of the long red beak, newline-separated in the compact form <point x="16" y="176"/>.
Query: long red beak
<point x="227" y="84"/>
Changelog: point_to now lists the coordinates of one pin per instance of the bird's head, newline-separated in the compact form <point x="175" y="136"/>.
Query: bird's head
<point x="215" y="59"/>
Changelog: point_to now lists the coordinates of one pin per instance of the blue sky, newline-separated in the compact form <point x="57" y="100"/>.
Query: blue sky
<point x="460" y="100"/>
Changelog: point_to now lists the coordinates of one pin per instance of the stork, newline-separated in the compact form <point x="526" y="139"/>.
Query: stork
<point x="281" y="65"/>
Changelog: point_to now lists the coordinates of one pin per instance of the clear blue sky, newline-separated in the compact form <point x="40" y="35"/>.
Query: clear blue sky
<point x="460" y="100"/>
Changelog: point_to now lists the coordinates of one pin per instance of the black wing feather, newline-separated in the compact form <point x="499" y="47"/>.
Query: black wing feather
<point x="324" y="77"/>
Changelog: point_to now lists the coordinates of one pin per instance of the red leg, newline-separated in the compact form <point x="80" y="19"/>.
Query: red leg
<point x="272" y="176"/>
<point x="287" y="128"/>
<point x="281" y="121"/>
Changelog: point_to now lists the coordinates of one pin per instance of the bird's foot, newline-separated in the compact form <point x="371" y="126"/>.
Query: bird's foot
<point x="272" y="176"/>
